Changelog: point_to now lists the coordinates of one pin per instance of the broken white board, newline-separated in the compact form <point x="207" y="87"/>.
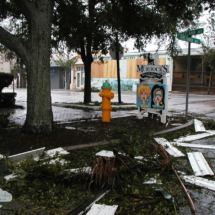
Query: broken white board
<point x="70" y="128"/>
<point x="199" y="164"/>
<point x="105" y="153"/>
<point x="153" y="180"/>
<point x="181" y="173"/>
<point x="139" y="157"/>
<point x="59" y="150"/>
<point x="202" y="182"/>
<point x="1" y="156"/>
<point x="176" y="124"/>
<point x="86" y="169"/>
<point x="191" y="145"/>
<point x="7" y="177"/>
<point x="194" y="137"/>
<point x="199" y="127"/>
<point x="5" y="196"/>
<point x="211" y="131"/>
<point x="90" y="205"/>
<point x="61" y="161"/>
<point x="169" y="148"/>
<point x="24" y="155"/>
<point x="98" y="209"/>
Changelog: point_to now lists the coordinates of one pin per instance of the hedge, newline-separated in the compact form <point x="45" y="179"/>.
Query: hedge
<point x="5" y="80"/>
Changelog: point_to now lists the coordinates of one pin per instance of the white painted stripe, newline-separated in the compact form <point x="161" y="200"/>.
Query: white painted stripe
<point x="199" y="164"/>
<point x="169" y="148"/>
<point x="202" y="182"/>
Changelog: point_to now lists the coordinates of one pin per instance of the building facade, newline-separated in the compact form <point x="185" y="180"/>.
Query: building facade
<point x="59" y="78"/>
<point x="199" y="72"/>
<point x="107" y="70"/>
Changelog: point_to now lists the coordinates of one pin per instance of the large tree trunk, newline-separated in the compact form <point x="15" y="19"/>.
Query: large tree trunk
<point x="35" y="53"/>
<point x="87" y="58"/>
<point x="39" y="117"/>
<point x="87" y="87"/>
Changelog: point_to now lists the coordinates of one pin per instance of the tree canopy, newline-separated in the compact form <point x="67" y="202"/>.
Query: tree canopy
<point x="208" y="46"/>
<point x="93" y="25"/>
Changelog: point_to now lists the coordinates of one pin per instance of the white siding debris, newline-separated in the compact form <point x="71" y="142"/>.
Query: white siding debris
<point x="199" y="164"/>
<point x="60" y="150"/>
<point x="191" y="145"/>
<point x="199" y="127"/>
<point x="194" y="137"/>
<point x="202" y="182"/>
<point x="24" y="155"/>
<point x="97" y="209"/>
<point x="169" y="148"/>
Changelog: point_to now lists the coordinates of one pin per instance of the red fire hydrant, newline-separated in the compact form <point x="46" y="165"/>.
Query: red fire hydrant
<point x="106" y="107"/>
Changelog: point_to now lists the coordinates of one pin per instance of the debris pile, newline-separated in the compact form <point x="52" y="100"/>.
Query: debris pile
<point x="136" y="175"/>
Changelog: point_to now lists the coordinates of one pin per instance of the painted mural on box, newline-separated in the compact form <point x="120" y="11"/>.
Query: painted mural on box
<point x="151" y="96"/>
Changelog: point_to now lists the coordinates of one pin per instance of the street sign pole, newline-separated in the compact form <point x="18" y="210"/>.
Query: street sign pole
<point x="188" y="80"/>
<point x="118" y="73"/>
<point x="186" y="36"/>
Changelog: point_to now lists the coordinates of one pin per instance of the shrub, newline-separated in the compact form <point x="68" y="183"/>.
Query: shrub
<point x="4" y="121"/>
<point x="5" y="80"/>
<point x="7" y="100"/>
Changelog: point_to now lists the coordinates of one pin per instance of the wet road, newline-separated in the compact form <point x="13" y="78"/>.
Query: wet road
<point x="199" y="105"/>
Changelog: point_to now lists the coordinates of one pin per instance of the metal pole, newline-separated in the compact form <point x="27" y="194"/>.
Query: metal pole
<point x="188" y="80"/>
<point x="118" y="73"/>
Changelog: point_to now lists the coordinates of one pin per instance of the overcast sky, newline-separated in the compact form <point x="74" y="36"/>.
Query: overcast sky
<point x="152" y="46"/>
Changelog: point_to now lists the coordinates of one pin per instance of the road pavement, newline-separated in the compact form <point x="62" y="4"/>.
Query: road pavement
<point x="199" y="105"/>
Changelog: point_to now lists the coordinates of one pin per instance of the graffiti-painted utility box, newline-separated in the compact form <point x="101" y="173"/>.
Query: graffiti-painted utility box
<point x="152" y="89"/>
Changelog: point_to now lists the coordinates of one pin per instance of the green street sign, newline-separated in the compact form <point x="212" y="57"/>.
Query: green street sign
<point x="192" y="32"/>
<point x="188" y="39"/>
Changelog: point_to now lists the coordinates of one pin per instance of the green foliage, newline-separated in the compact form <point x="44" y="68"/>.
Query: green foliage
<point x="5" y="80"/>
<point x="208" y="46"/>
<point x="4" y="121"/>
<point x="7" y="100"/>
<point x="66" y="63"/>
<point x="5" y="166"/>
<point x="53" y="188"/>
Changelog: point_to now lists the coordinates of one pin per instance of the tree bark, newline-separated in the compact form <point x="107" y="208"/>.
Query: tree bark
<point x="210" y="82"/>
<point x="39" y="117"/>
<point x="86" y="56"/>
<point x="87" y="87"/>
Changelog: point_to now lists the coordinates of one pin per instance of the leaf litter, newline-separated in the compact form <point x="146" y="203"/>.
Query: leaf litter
<point x="50" y="188"/>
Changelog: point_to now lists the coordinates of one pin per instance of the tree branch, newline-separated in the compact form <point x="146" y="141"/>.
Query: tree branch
<point x="13" y="43"/>
<point x="83" y="54"/>
<point x="27" y="7"/>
